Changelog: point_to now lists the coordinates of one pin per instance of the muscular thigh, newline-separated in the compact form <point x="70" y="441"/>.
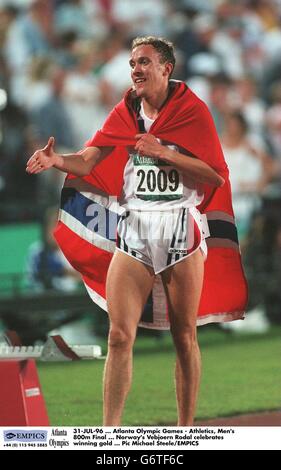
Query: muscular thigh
<point x="183" y="284"/>
<point x="128" y="286"/>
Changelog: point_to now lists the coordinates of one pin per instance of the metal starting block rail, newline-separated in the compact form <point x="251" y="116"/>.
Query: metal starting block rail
<point x="21" y="398"/>
<point x="55" y="349"/>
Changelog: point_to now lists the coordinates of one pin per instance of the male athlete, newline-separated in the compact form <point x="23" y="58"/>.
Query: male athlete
<point x="168" y="166"/>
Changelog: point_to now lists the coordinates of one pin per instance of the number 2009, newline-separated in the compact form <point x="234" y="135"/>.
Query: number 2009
<point x="162" y="181"/>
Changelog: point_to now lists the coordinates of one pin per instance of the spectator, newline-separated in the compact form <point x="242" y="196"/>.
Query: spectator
<point x="250" y="170"/>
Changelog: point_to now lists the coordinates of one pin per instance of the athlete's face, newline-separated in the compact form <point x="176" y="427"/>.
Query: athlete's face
<point x="149" y="75"/>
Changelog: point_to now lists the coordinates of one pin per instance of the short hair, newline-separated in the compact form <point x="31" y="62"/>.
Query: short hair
<point x="164" y="47"/>
<point x="240" y="118"/>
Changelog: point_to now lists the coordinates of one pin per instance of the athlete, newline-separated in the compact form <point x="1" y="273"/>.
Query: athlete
<point x="161" y="230"/>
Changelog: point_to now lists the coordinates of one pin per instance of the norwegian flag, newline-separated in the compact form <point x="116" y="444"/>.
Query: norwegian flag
<point x="89" y="213"/>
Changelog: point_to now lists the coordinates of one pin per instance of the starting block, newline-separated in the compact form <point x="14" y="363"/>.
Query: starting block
<point x="21" y="399"/>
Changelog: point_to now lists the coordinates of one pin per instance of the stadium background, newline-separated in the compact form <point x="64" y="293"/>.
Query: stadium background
<point x="63" y="66"/>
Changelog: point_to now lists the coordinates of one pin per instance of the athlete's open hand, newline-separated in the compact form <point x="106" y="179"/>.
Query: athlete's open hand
<point x="148" y="145"/>
<point x="42" y="159"/>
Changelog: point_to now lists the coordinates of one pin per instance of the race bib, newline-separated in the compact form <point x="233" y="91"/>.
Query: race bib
<point x="156" y="180"/>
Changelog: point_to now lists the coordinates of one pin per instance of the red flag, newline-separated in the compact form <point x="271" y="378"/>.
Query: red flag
<point x="183" y="121"/>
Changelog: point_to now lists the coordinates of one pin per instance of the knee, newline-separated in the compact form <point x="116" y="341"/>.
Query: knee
<point x="185" y="339"/>
<point x="120" y="339"/>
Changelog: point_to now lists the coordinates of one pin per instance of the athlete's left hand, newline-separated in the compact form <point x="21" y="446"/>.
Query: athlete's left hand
<point x="148" y="145"/>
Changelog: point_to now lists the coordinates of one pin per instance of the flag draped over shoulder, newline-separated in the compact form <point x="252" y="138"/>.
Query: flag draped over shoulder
<point x="184" y="121"/>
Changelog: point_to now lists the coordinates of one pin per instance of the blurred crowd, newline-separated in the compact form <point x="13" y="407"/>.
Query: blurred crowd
<point x="64" y="65"/>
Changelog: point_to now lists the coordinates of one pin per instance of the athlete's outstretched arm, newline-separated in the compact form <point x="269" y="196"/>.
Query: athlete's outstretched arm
<point x="196" y="169"/>
<point x="79" y="164"/>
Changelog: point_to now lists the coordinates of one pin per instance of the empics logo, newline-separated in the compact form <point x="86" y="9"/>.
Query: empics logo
<point x="20" y="435"/>
<point x="9" y="435"/>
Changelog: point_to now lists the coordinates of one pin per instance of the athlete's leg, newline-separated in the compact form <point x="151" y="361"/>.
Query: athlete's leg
<point x="183" y="285"/>
<point x="129" y="283"/>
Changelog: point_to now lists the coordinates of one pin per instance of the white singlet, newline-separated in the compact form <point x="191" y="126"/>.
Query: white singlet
<point x="152" y="184"/>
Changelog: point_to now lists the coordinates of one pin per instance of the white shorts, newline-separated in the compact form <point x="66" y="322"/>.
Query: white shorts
<point x="161" y="239"/>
